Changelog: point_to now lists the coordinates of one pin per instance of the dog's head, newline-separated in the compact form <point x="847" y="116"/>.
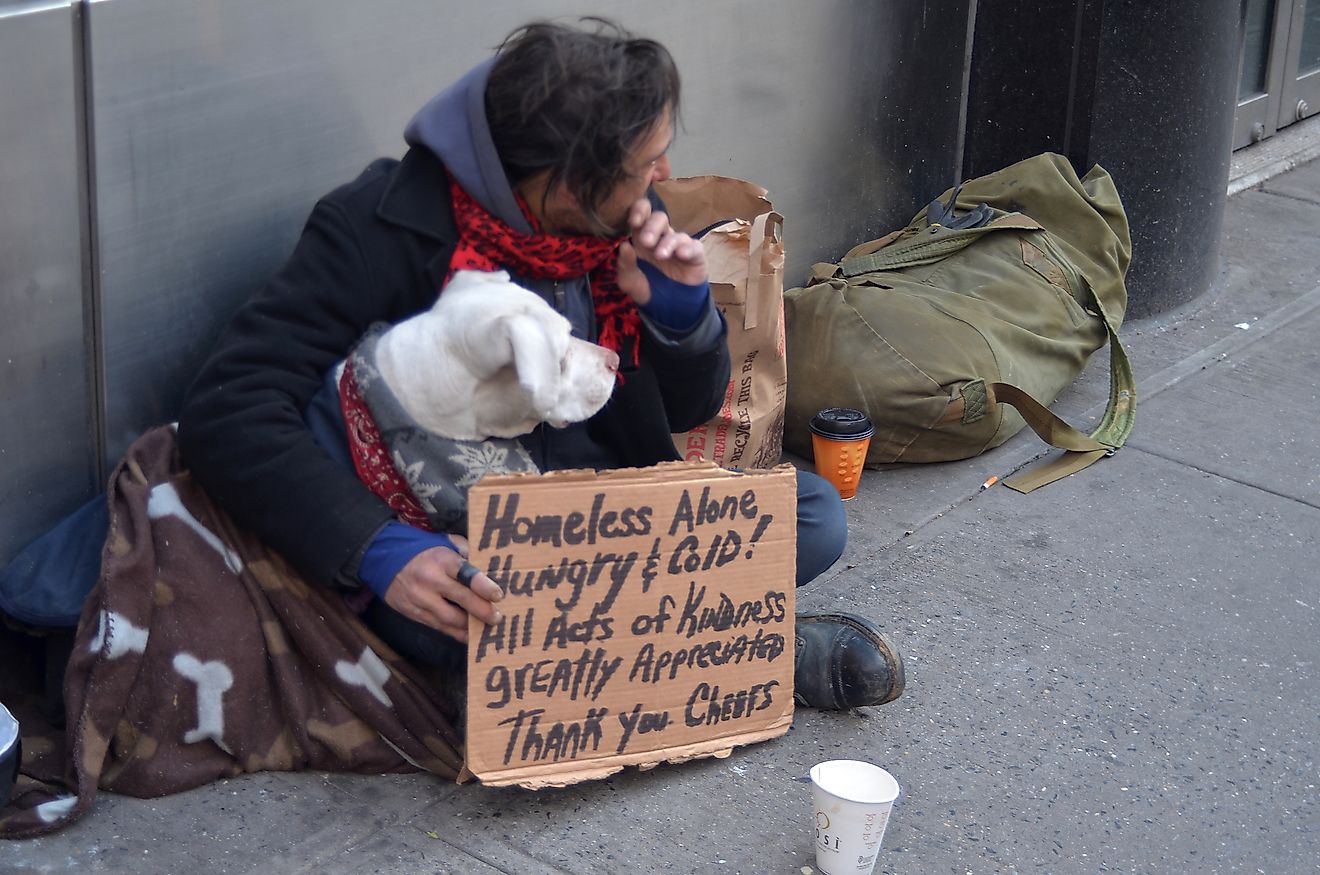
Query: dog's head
<point x="507" y="357"/>
<point x="566" y="379"/>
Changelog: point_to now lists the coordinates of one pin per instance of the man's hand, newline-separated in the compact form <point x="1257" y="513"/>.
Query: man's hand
<point x="427" y="590"/>
<point x="676" y="255"/>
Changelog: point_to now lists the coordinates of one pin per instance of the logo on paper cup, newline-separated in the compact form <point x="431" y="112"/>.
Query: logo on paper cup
<point x="826" y="841"/>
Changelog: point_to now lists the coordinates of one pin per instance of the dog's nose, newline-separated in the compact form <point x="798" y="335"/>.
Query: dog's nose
<point x="611" y="360"/>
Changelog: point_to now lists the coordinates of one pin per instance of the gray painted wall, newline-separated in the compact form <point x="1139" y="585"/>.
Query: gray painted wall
<point x="213" y="125"/>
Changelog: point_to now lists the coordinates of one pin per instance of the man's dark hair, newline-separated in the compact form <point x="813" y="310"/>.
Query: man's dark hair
<point x="574" y="101"/>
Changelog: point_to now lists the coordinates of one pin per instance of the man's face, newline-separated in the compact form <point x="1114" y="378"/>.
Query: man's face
<point x="647" y="163"/>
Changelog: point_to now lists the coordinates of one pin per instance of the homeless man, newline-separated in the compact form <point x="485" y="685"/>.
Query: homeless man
<point x="539" y="162"/>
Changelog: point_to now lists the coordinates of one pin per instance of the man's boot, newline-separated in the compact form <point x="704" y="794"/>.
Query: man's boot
<point x="844" y="661"/>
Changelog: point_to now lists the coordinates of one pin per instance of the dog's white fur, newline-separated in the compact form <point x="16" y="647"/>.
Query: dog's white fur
<point x="492" y="359"/>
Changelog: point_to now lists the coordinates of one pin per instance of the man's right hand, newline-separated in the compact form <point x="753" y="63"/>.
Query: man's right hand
<point x="427" y="591"/>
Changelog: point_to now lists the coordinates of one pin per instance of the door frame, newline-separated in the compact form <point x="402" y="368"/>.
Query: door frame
<point x="1262" y="115"/>
<point x="1299" y="96"/>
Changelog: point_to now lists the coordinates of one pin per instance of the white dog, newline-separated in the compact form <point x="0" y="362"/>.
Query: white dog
<point x="492" y="359"/>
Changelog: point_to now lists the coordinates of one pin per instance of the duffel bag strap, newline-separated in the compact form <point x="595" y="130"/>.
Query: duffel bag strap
<point x="931" y="244"/>
<point x="1080" y="450"/>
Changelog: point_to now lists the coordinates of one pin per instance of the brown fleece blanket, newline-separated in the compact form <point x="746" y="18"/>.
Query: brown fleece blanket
<point x="201" y="655"/>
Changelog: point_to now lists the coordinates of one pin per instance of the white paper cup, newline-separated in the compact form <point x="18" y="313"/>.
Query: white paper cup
<point x="852" y="804"/>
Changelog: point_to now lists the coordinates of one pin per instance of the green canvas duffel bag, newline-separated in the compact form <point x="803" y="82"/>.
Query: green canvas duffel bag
<point x="996" y="297"/>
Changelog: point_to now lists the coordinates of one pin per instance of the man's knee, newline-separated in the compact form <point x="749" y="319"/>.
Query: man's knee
<point x="822" y="526"/>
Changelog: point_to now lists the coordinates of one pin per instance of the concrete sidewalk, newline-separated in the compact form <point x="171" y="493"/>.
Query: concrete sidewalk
<point x="1117" y="673"/>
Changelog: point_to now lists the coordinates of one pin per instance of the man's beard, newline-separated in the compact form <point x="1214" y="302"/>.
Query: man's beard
<point x="600" y="226"/>
<point x="594" y="223"/>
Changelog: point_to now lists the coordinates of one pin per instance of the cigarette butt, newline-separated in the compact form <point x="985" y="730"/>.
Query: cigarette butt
<point x="987" y="484"/>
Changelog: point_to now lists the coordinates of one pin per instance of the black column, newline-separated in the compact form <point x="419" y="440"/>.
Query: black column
<point x="1145" y="88"/>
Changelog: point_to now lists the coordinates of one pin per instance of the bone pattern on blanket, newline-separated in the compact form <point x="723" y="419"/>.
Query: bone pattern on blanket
<point x="213" y="680"/>
<point x="53" y="810"/>
<point x="368" y="672"/>
<point x="165" y="502"/>
<point x="124" y="636"/>
<point x="283" y="674"/>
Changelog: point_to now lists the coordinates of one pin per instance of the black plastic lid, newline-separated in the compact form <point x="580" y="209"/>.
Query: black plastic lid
<point x="842" y="424"/>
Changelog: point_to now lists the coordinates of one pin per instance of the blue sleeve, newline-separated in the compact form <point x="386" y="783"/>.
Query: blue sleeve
<point x="673" y="304"/>
<point x="394" y="547"/>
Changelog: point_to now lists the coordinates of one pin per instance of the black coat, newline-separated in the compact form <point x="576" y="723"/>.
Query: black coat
<point x="375" y="250"/>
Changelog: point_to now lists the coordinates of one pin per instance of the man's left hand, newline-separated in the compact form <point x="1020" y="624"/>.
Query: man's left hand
<point x="674" y="254"/>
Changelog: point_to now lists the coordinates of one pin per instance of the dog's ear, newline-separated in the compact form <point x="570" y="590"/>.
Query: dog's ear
<point x="536" y="360"/>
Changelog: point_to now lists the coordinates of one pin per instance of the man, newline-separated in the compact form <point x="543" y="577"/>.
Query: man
<point x="539" y="161"/>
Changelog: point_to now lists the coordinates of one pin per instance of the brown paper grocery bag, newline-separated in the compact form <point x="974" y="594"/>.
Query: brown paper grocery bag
<point x="743" y="238"/>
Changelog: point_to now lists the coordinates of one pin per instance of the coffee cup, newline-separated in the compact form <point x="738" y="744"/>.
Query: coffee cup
<point x="852" y="803"/>
<point x="839" y="439"/>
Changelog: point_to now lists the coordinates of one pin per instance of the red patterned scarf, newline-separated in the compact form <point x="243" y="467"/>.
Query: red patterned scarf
<point x="487" y="243"/>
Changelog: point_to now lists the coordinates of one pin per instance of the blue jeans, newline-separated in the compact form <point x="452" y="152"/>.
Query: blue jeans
<point x="48" y="581"/>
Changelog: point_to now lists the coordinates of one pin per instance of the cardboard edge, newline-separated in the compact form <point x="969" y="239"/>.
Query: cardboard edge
<point x="677" y="470"/>
<point x="574" y="773"/>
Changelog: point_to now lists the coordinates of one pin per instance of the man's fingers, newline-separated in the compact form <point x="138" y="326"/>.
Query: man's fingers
<point x="460" y="544"/>
<point x="664" y="246"/>
<point x="674" y="253"/>
<point x="627" y="258"/>
<point x="466" y="572"/>
<point x="474" y="603"/>
<point x="486" y="588"/>
<point x="475" y="596"/>
<point x="679" y="246"/>
<point x="631" y="280"/>
<point x="651" y="232"/>
<point x="639" y="213"/>
<point x="690" y="251"/>
<point x="440" y="589"/>
<point x="439" y="613"/>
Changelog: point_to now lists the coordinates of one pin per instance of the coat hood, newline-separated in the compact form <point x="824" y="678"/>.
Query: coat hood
<point x="452" y="125"/>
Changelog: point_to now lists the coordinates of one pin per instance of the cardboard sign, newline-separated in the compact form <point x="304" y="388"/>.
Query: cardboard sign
<point x="648" y="617"/>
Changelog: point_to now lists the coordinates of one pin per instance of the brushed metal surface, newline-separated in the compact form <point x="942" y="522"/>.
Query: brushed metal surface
<point x="47" y="456"/>
<point x="218" y="124"/>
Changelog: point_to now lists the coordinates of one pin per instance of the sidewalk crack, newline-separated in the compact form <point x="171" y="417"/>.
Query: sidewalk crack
<point x="1137" y="445"/>
<point x="1315" y="202"/>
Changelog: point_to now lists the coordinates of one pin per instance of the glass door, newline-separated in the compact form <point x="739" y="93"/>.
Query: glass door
<point x="1280" y="78"/>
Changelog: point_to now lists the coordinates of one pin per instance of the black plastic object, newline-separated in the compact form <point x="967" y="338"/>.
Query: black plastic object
<point x="842" y="424"/>
<point x="945" y="214"/>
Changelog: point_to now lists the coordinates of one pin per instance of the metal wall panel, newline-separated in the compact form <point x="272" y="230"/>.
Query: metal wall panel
<point x="217" y="124"/>
<point x="47" y="455"/>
